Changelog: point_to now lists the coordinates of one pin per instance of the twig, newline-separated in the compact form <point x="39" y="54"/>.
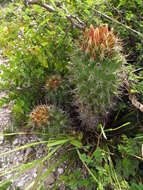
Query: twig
<point x="135" y="102"/>
<point x="75" y="21"/>
<point x="117" y="22"/>
<point x="46" y="6"/>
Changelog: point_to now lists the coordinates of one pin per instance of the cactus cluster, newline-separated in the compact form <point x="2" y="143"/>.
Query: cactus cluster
<point x="48" y="118"/>
<point x="96" y="70"/>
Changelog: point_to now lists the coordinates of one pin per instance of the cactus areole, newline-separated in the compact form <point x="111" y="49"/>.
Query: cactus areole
<point x="96" y="70"/>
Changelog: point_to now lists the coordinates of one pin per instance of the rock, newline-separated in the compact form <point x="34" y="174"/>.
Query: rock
<point x="15" y="142"/>
<point x="60" y="171"/>
<point x="35" y="175"/>
<point x="28" y="153"/>
<point x="49" y="180"/>
<point x="20" y="158"/>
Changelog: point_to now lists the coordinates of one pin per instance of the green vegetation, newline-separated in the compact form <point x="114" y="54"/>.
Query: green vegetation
<point x="78" y="84"/>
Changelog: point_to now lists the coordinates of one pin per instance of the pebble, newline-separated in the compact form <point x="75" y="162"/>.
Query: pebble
<point x="50" y="180"/>
<point x="15" y="142"/>
<point x="60" y="171"/>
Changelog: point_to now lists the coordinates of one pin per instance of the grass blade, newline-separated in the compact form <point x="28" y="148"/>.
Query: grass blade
<point x="22" y="147"/>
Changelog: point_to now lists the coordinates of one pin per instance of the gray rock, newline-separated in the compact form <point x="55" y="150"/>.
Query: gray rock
<point x="60" y="171"/>
<point x="15" y="142"/>
<point x="49" y="180"/>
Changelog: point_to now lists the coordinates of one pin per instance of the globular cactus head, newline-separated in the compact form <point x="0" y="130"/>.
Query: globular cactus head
<point x="57" y="90"/>
<point x="48" y="118"/>
<point x="96" y="70"/>
<point x="40" y="116"/>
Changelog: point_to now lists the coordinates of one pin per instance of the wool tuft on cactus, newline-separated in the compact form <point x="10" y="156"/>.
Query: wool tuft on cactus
<point x="96" y="74"/>
<point x="56" y="90"/>
<point x="49" y="118"/>
<point x="53" y="82"/>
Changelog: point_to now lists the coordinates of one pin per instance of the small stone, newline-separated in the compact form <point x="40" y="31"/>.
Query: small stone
<point x="15" y="142"/>
<point x="35" y="175"/>
<point x="50" y="180"/>
<point x="60" y="171"/>
<point x="29" y="151"/>
<point x="20" y="158"/>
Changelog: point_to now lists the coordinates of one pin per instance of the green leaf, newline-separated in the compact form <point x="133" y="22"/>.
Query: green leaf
<point x="76" y="143"/>
<point x="98" y="154"/>
<point x="5" y="185"/>
<point x="102" y="130"/>
<point x="57" y="142"/>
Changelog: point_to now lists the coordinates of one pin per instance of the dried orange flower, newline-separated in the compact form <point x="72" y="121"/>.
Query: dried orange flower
<point x="99" y="39"/>
<point x="40" y="115"/>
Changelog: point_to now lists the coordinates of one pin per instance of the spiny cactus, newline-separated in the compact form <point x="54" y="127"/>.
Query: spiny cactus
<point x="96" y="70"/>
<point x="40" y="116"/>
<point x="48" y="118"/>
<point x="57" y="90"/>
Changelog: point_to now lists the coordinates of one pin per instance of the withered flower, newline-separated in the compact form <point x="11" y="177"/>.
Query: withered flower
<point x="97" y="40"/>
<point x="53" y="82"/>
